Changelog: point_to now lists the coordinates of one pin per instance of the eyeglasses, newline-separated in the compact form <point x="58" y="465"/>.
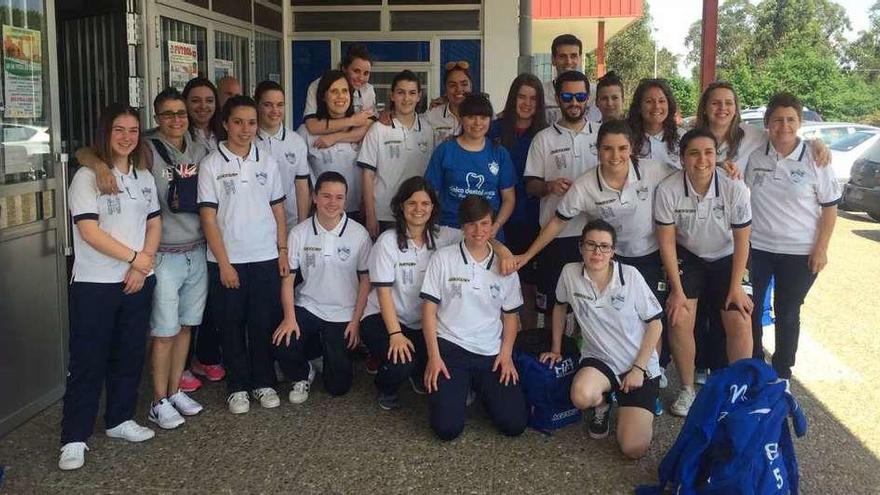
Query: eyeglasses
<point x="592" y="246"/>
<point x="567" y="97"/>
<point x="170" y="115"/>
<point x="457" y="64"/>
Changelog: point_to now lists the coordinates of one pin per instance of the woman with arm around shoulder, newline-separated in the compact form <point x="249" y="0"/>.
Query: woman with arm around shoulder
<point x="469" y="323"/>
<point x="652" y="118"/>
<point x="115" y="237"/>
<point x="794" y="203"/>
<point x="619" y="318"/>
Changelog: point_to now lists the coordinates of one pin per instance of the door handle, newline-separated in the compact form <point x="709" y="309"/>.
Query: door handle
<point x="64" y="215"/>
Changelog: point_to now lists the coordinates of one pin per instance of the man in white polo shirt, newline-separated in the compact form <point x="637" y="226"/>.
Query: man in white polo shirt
<point x="559" y="155"/>
<point x="566" y="54"/>
<point x="390" y="154"/>
<point x="242" y="213"/>
<point x="469" y="319"/>
<point x="703" y="225"/>
<point x="619" y="320"/>
<point x="330" y="251"/>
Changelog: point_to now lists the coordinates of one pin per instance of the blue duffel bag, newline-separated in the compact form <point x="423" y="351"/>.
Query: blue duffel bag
<point x="546" y="388"/>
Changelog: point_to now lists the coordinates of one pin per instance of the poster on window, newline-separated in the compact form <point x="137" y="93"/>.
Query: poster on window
<point x="183" y="63"/>
<point x="22" y="72"/>
<point x="223" y="68"/>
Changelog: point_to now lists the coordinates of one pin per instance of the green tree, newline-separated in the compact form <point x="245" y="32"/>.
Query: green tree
<point x="736" y="19"/>
<point x="686" y="92"/>
<point x="863" y="54"/>
<point x="810" y="24"/>
<point x="631" y="54"/>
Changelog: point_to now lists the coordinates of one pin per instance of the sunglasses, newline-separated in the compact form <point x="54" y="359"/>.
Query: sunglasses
<point x="457" y="64"/>
<point x="567" y="97"/>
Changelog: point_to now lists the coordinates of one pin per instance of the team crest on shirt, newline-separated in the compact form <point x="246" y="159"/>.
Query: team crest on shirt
<point x="407" y="277"/>
<point x="455" y="291"/>
<point x="718" y="211"/>
<point x="114" y="206"/>
<point x="229" y="186"/>
<point x="290" y="157"/>
<point x="262" y="178"/>
<point x="617" y="301"/>
<point x="758" y="181"/>
<point x="423" y="147"/>
<point x="495" y="291"/>
<point x="148" y="195"/>
<point x="606" y="212"/>
<point x="310" y="260"/>
<point x="493" y="167"/>
<point x="343" y="252"/>
<point x="559" y="159"/>
<point x="642" y="193"/>
<point x="797" y="175"/>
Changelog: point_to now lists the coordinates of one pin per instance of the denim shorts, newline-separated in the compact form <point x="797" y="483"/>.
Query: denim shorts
<point x="181" y="291"/>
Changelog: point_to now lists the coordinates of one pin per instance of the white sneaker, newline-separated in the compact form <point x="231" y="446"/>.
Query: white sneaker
<point x="238" y="402"/>
<point x="131" y="431"/>
<point x="163" y="414"/>
<point x="267" y="396"/>
<point x="664" y="382"/>
<point x="683" y="402"/>
<point x="300" y="392"/>
<point x="185" y="404"/>
<point x="73" y="455"/>
<point x="701" y="375"/>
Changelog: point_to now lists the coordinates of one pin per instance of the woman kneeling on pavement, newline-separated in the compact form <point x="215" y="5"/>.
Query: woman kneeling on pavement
<point x="619" y="318"/>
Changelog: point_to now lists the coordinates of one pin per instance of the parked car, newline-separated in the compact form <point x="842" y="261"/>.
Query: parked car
<point x="755" y="115"/>
<point x="846" y="150"/>
<point x="862" y="192"/>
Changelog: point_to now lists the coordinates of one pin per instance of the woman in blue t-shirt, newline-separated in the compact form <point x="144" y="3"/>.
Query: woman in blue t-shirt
<point x="472" y="164"/>
<point x="522" y="118"/>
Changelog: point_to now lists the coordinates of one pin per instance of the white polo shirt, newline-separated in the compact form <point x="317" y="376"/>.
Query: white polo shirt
<point x="443" y="122"/>
<point x="558" y="152"/>
<point x="361" y="99"/>
<point x="788" y="194"/>
<point x="330" y="262"/>
<point x="207" y="141"/>
<point x="243" y="190"/>
<point x="753" y="138"/>
<point x="342" y="158"/>
<point x="654" y="148"/>
<point x="630" y="211"/>
<point x="123" y="216"/>
<point x="395" y="153"/>
<point x="471" y="297"/>
<point x="613" y="322"/>
<point x="703" y="225"/>
<point x="290" y="152"/>
<point x="404" y="272"/>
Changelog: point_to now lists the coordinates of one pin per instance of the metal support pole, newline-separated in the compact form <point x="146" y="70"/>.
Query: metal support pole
<point x="600" y="50"/>
<point x="525" y="36"/>
<point x="709" y="42"/>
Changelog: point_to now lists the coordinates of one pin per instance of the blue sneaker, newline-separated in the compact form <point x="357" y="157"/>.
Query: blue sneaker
<point x="658" y="407"/>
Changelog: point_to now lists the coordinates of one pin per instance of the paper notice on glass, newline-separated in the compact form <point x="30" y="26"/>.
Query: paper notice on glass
<point x="223" y="68"/>
<point x="183" y="63"/>
<point x="22" y="72"/>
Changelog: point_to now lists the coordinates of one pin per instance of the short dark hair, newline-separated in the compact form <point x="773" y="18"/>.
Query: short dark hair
<point x="602" y="226"/>
<point x="264" y="86"/>
<point x="330" y="176"/>
<point x="237" y="101"/>
<point x="474" y="208"/>
<point x="476" y="104"/>
<point x="404" y="192"/>
<point x="167" y="94"/>
<point x="617" y="126"/>
<point x="608" y="80"/>
<point x="354" y="51"/>
<point x="571" y="76"/>
<point x="405" y="75"/>
<point x="697" y="132"/>
<point x="565" y="39"/>
<point x="781" y="100"/>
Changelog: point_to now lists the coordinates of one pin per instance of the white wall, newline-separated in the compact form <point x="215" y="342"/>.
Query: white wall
<point x="500" y="48"/>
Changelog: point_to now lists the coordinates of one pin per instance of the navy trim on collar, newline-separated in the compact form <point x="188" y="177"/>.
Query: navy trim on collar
<point x="222" y="154"/>
<point x="638" y="174"/>
<point x="283" y="132"/>
<point x="684" y="181"/>
<point x="445" y="109"/>
<point x="344" y="225"/>
<point x="465" y="260"/>
<point x="463" y="257"/>
<point x="620" y="273"/>
<point x="767" y="149"/>
<point x="716" y="184"/>
<point x="491" y="259"/>
<point x="556" y="127"/>
<point x="315" y="225"/>
<point x="803" y="151"/>
<point x="599" y="180"/>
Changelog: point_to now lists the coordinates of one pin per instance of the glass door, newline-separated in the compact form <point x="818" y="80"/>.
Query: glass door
<point x="184" y="52"/>
<point x="32" y="289"/>
<point x="231" y="58"/>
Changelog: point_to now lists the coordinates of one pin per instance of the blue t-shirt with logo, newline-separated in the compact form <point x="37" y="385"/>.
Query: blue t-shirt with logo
<point x="457" y="173"/>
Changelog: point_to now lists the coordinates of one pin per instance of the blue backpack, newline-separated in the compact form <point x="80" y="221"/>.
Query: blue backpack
<point x="547" y="390"/>
<point x="735" y="439"/>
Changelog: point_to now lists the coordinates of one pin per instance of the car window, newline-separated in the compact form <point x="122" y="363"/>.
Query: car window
<point x="832" y="134"/>
<point x="847" y="143"/>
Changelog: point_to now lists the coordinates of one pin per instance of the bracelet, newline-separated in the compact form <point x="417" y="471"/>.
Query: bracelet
<point x="133" y="257"/>
<point x="395" y="333"/>
<point x="643" y="370"/>
<point x="282" y="248"/>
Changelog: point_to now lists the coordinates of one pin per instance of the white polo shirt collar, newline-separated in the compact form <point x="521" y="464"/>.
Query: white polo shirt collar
<point x="467" y="259"/>
<point x="796" y="155"/>
<point x="634" y="175"/>
<point x="710" y="194"/>
<point x="253" y="154"/>
<point x="279" y="135"/>
<point x="338" y="230"/>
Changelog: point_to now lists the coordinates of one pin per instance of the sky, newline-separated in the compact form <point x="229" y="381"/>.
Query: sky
<point x="672" y="18"/>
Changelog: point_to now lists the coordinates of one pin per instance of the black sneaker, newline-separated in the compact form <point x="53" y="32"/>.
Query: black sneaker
<point x="600" y="424"/>
<point x="388" y="401"/>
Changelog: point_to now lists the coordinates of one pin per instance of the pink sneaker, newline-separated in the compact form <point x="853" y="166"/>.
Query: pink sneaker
<point x="213" y="372"/>
<point x="189" y="383"/>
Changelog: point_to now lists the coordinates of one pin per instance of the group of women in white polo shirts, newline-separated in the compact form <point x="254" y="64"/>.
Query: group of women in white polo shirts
<point x="307" y="243"/>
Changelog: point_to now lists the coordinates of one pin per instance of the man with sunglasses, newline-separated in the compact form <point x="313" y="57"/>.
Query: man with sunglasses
<point x="558" y="155"/>
<point x="566" y="55"/>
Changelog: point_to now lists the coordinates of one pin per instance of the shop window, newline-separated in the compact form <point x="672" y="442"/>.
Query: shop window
<point x="268" y="57"/>
<point x="435" y="20"/>
<point x="333" y="21"/>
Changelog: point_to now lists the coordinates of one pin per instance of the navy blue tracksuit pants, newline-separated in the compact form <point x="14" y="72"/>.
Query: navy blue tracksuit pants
<point x="793" y="282"/>
<point x="338" y="372"/>
<point x="505" y="404"/>
<point x="108" y="335"/>
<point x="391" y="375"/>
<point x="247" y="316"/>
